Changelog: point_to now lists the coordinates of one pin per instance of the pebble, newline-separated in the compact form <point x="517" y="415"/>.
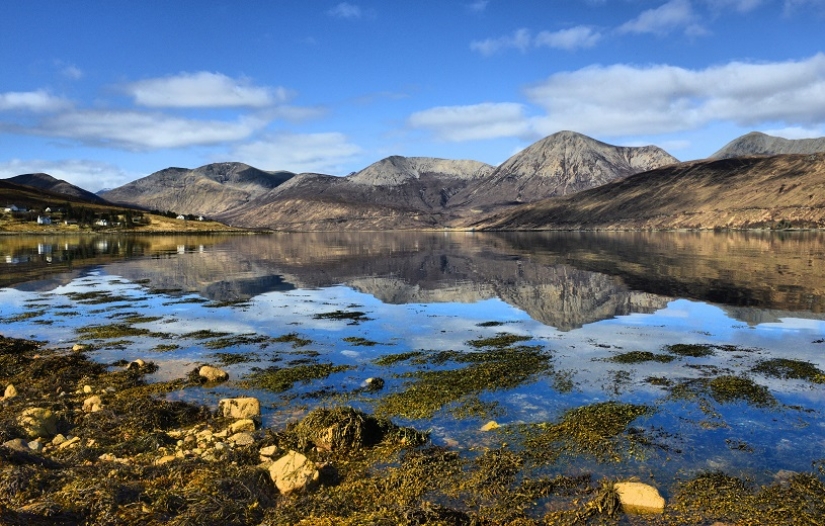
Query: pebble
<point x="242" y="439"/>
<point x="87" y="389"/>
<point x="10" y="392"/>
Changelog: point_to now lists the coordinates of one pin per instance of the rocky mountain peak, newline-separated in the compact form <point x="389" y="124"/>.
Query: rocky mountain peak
<point x="757" y="143"/>
<point x="396" y="170"/>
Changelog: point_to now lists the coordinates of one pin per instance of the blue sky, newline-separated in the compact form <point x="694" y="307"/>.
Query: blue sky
<point x="103" y="92"/>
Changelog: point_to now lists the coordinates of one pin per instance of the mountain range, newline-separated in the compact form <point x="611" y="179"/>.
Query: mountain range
<point x="566" y="180"/>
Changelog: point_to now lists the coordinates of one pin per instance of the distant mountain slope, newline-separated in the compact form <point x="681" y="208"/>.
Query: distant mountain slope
<point x="560" y="164"/>
<point x="749" y="192"/>
<point x="756" y="143"/>
<point x="393" y="193"/>
<point x="208" y="190"/>
<point x="46" y="182"/>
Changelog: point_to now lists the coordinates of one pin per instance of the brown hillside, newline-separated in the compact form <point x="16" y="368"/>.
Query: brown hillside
<point x="781" y="191"/>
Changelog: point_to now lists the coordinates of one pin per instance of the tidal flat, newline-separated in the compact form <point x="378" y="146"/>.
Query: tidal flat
<point x="434" y="390"/>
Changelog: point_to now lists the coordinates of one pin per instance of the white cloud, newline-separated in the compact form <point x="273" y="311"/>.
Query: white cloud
<point x="662" y="20"/>
<point x="627" y="100"/>
<point x="203" y="90"/>
<point x="520" y="40"/>
<point x="144" y="131"/>
<point x="743" y="6"/>
<point x="479" y="6"/>
<point x="479" y="121"/>
<point x="36" y="101"/>
<point x="89" y="175"/>
<point x="346" y="10"/>
<point x="569" y="39"/>
<point x="797" y="132"/>
<point x="316" y="152"/>
<point x="72" y="72"/>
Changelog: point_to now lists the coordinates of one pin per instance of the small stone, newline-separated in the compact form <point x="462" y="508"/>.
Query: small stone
<point x="489" y="426"/>
<point x="197" y="451"/>
<point x="137" y="364"/>
<point x="637" y="497"/>
<point x="247" y="424"/>
<point x="35" y="445"/>
<point x="268" y="451"/>
<point x="38" y="422"/>
<point x="213" y="374"/>
<point x="79" y="347"/>
<point x="111" y="390"/>
<point x="11" y="392"/>
<point x="69" y="443"/>
<point x="206" y="434"/>
<point x="180" y="443"/>
<point x="58" y="439"/>
<point x="18" y="444"/>
<point x="244" y="407"/>
<point x="294" y="473"/>
<point x="221" y="434"/>
<point x="374" y="384"/>
<point x="87" y="389"/>
<point x="219" y="446"/>
<point x="93" y="404"/>
<point x="242" y="439"/>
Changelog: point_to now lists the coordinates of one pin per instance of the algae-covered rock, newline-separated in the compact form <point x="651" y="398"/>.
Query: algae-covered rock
<point x="489" y="426"/>
<point x="244" y="407"/>
<point x="294" y="473"/>
<point x="345" y="428"/>
<point x="93" y="404"/>
<point x="244" y="425"/>
<point x="38" y="422"/>
<point x="213" y="374"/>
<point x="637" y="497"/>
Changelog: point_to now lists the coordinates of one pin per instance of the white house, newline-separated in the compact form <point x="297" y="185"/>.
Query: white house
<point x="102" y="222"/>
<point x="44" y="220"/>
<point x="181" y="217"/>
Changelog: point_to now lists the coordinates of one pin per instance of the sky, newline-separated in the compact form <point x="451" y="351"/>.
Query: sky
<point x="102" y="92"/>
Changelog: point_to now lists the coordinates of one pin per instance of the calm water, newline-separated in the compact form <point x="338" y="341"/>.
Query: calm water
<point x="582" y="298"/>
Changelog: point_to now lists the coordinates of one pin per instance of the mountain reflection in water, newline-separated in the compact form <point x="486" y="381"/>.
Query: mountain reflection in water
<point x="564" y="280"/>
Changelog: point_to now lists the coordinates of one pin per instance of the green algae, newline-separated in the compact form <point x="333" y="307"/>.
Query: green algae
<point x="360" y="342"/>
<point x="238" y="339"/>
<point x="111" y="331"/>
<point x="354" y="317"/>
<point x="490" y="324"/>
<point x="499" y="341"/>
<point x="227" y="358"/>
<point x="97" y="297"/>
<point x="23" y="316"/>
<point x="785" y="368"/>
<point x="279" y="379"/>
<point x="293" y="338"/>
<point x="426" y="392"/>
<point x="393" y="359"/>
<point x="692" y="350"/>
<point x="165" y="347"/>
<point x="205" y="334"/>
<point x="723" y="389"/>
<point x="633" y="357"/>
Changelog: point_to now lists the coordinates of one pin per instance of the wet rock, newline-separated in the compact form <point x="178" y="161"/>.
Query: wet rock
<point x="80" y="347"/>
<point x="58" y="439"/>
<point x="242" y="439"/>
<point x="87" y="389"/>
<point x="137" y="364"/>
<point x="38" y="422"/>
<point x="245" y="407"/>
<point x="213" y="374"/>
<point x="266" y="453"/>
<point x="294" y="473"/>
<point x="36" y="446"/>
<point x="69" y="443"/>
<point x="247" y="424"/>
<point x="374" y="384"/>
<point x="10" y="392"/>
<point x="17" y="444"/>
<point x="93" y="404"/>
<point x="489" y="426"/>
<point x="637" y="497"/>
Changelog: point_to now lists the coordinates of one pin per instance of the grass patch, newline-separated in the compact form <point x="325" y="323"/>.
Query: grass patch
<point x="279" y="379"/>
<point x="785" y="368"/>
<point x="640" y="357"/>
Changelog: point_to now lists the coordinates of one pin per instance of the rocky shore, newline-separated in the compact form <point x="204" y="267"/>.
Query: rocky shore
<point x="91" y="443"/>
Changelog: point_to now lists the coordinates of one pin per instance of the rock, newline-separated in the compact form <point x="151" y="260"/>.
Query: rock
<point x="137" y="364"/>
<point x="242" y="439"/>
<point x="268" y="452"/>
<point x="244" y="407"/>
<point x="58" y="439"/>
<point x="213" y="374"/>
<point x="11" y="392"/>
<point x="69" y="443"/>
<point x="93" y="404"/>
<point x="374" y="384"/>
<point x="36" y="446"/>
<point x="17" y="444"/>
<point x="79" y="347"/>
<point x="38" y="422"/>
<point x="294" y="473"/>
<point x="87" y="389"/>
<point x="247" y="424"/>
<point x="489" y="426"/>
<point x="637" y="497"/>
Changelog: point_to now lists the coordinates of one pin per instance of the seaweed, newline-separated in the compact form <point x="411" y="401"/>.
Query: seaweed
<point x="786" y="368"/>
<point x="279" y="379"/>
<point x="632" y="357"/>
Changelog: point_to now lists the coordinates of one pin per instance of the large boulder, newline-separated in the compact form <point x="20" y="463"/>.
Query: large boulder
<point x="637" y="497"/>
<point x="38" y="422"/>
<point x="213" y="374"/>
<point x="244" y="407"/>
<point x="294" y="473"/>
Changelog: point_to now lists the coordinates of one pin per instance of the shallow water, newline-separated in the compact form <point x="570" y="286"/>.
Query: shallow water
<point x="582" y="299"/>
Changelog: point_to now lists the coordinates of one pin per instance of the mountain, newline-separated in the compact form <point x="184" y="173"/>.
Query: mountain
<point x="48" y="183"/>
<point x="779" y="191"/>
<point x="393" y="193"/>
<point x="560" y="164"/>
<point x="756" y="143"/>
<point x="208" y="190"/>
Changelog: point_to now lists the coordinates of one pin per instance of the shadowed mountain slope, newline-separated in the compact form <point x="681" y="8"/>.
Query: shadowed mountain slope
<point x="48" y="183"/>
<point x="749" y="192"/>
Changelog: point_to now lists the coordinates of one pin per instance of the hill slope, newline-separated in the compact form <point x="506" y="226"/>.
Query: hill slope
<point x="748" y="192"/>
<point x="48" y="183"/>
<point x="563" y="163"/>
<point x="756" y="143"/>
<point x="208" y="190"/>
